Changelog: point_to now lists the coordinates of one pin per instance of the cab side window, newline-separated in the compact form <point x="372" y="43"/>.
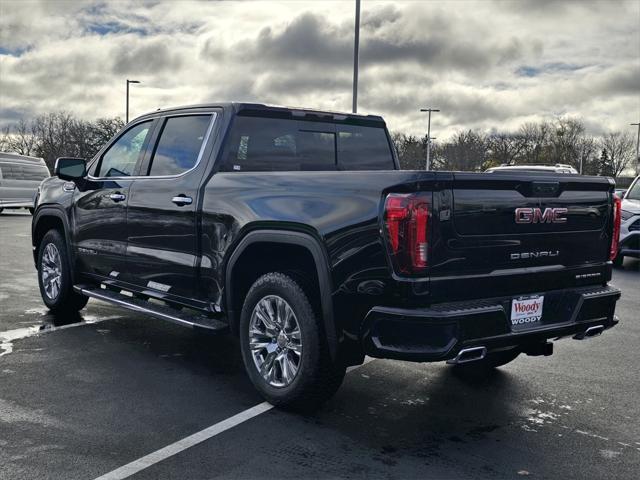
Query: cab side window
<point x="258" y="144"/>
<point x="123" y="156"/>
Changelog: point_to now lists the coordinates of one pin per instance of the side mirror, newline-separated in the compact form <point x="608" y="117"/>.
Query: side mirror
<point x="70" y="168"/>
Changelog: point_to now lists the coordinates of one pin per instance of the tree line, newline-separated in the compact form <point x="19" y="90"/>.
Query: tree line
<point x="58" y="134"/>
<point x="564" y="141"/>
<point x="548" y="142"/>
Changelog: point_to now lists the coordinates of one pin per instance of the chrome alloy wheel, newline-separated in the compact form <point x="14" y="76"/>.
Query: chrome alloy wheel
<point x="51" y="271"/>
<point x="275" y="341"/>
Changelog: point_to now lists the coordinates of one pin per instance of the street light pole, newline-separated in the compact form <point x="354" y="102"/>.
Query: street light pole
<point x="127" y="110"/>
<point x="428" y="165"/>
<point x="356" y="50"/>
<point x="637" y="148"/>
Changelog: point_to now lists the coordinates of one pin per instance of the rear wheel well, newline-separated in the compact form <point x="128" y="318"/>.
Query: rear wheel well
<point x="260" y="258"/>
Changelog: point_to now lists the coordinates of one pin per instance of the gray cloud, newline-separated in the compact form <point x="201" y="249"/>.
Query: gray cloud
<point x="306" y="39"/>
<point x="145" y="57"/>
<point x="310" y="39"/>
<point x="486" y="64"/>
<point x="624" y="80"/>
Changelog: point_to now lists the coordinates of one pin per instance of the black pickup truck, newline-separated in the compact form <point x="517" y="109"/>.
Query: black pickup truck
<point x="296" y="231"/>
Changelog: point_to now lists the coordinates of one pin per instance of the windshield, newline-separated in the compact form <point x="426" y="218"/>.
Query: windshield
<point x="634" y="192"/>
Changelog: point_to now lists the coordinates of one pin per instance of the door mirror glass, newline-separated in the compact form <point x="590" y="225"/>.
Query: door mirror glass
<point x="70" y="168"/>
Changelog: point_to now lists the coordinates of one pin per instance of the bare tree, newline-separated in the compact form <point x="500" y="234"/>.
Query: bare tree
<point x="20" y="139"/>
<point x="587" y="149"/>
<point x="5" y="134"/>
<point x="618" y="152"/>
<point x="466" y="151"/>
<point x="411" y="151"/>
<point x="535" y="138"/>
<point x="504" y="148"/>
<point x="58" y="134"/>
<point x="565" y="139"/>
<point x="54" y="132"/>
<point x="103" y="130"/>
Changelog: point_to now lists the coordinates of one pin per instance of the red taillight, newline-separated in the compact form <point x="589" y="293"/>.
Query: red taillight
<point x="406" y="218"/>
<point x="617" y="218"/>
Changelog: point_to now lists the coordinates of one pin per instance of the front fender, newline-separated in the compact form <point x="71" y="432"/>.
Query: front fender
<point x="42" y="219"/>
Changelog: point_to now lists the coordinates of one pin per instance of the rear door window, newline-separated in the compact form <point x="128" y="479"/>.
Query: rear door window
<point x="363" y="148"/>
<point x="179" y="145"/>
<point x="271" y="144"/>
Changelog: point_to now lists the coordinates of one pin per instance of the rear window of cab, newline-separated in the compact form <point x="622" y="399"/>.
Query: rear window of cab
<point x="273" y="144"/>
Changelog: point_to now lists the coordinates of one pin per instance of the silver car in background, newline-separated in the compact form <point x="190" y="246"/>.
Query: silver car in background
<point x="20" y="177"/>
<point x="629" y="245"/>
<point x="533" y="168"/>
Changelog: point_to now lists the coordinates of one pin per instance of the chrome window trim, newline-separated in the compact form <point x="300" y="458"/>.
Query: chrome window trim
<point x="205" y="141"/>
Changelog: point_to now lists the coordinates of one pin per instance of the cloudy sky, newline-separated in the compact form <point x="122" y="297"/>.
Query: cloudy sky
<point x="485" y="64"/>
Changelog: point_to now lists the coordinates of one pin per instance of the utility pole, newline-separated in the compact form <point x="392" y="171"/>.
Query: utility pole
<point x="637" y="148"/>
<point x="428" y="164"/>
<point x="356" y="49"/>
<point x="127" y="111"/>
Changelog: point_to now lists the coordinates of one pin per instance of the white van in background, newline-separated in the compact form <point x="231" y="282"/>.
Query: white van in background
<point x="20" y="177"/>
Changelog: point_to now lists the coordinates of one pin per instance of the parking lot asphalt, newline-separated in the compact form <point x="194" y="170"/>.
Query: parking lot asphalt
<point x="81" y="400"/>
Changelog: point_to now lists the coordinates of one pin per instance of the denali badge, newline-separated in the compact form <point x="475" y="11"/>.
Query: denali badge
<point x="538" y="254"/>
<point x="536" y="215"/>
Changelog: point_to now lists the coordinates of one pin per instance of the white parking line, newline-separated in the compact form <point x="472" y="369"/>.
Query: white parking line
<point x="181" y="445"/>
<point x="187" y="442"/>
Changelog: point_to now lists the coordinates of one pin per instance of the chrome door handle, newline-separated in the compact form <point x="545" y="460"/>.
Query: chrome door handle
<point x="117" y="197"/>
<point x="181" y="200"/>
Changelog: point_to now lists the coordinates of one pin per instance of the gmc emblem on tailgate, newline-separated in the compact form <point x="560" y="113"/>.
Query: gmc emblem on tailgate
<point x="536" y="215"/>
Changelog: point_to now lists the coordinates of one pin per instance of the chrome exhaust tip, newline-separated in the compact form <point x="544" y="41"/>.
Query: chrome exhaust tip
<point x="589" y="332"/>
<point x="467" y="355"/>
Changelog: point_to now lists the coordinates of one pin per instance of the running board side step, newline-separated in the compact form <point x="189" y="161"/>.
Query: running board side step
<point x="187" y="319"/>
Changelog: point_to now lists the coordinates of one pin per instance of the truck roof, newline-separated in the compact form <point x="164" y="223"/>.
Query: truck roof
<point x="276" y="111"/>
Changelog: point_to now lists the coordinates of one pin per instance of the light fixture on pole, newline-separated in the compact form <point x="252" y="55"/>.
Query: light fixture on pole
<point x="428" y="164"/>
<point x="356" y="51"/>
<point x="637" y="148"/>
<point x="127" y="109"/>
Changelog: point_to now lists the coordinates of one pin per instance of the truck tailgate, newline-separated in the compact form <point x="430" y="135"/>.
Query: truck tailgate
<point x="512" y="228"/>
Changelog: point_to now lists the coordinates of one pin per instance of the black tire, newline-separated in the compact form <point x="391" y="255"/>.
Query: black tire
<point x="31" y="210"/>
<point x="617" y="262"/>
<point x="317" y="377"/>
<point x="65" y="299"/>
<point x="489" y="362"/>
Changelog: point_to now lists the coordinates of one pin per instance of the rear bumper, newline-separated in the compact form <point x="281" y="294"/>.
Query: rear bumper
<point x="441" y="331"/>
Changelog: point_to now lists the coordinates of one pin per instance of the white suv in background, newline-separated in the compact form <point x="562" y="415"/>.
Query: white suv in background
<point x="20" y="177"/>
<point x="629" y="245"/>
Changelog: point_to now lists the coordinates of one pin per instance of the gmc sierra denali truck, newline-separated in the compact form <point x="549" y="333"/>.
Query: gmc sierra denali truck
<point x="297" y="231"/>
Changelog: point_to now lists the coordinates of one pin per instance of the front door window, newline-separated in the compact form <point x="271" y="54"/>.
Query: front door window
<point x="123" y="156"/>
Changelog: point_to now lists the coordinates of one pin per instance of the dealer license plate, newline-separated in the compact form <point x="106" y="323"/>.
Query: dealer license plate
<point x="526" y="311"/>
